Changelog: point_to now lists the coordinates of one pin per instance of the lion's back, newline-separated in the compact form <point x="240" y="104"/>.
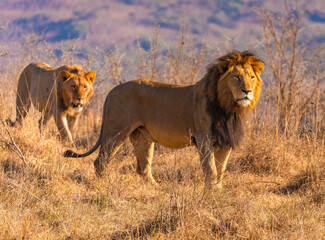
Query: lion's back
<point x="152" y="96"/>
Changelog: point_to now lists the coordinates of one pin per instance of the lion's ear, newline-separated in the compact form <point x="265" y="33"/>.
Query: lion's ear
<point x="90" y="76"/>
<point x="65" y="75"/>
<point x="223" y="66"/>
<point x="258" y="66"/>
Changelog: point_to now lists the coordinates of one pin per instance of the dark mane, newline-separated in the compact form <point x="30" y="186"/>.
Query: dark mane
<point x="227" y="127"/>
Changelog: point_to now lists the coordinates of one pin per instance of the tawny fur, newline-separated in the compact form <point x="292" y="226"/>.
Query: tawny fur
<point x="60" y="92"/>
<point x="208" y="114"/>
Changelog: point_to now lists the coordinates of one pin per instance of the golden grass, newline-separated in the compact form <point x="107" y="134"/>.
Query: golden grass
<point x="270" y="192"/>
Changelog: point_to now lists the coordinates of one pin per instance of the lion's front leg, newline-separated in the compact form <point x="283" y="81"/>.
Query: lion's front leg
<point x="63" y="127"/>
<point x="72" y="124"/>
<point x="221" y="156"/>
<point x="205" y="149"/>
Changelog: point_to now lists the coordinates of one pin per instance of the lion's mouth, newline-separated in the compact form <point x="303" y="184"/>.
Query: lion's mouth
<point x="243" y="101"/>
<point x="77" y="106"/>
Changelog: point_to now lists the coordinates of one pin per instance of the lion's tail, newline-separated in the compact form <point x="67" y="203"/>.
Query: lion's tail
<point x="72" y="154"/>
<point x="10" y="123"/>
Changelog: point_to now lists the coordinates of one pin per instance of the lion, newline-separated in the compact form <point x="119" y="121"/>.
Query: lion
<point x="209" y="115"/>
<point x="61" y="92"/>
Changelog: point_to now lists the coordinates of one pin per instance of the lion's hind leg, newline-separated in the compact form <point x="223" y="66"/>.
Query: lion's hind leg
<point x="22" y="109"/>
<point x="109" y="146"/>
<point x="23" y="101"/>
<point x="143" y="149"/>
<point x="106" y="153"/>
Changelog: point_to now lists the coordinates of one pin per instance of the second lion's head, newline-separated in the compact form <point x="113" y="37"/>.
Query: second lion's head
<point x="76" y="87"/>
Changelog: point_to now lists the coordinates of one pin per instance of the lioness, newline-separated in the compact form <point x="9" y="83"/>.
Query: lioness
<point x="61" y="92"/>
<point x="208" y="114"/>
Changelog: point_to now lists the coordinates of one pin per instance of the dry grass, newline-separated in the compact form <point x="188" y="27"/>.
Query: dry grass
<point x="59" y="198"/>
<point x="273" y="189"/>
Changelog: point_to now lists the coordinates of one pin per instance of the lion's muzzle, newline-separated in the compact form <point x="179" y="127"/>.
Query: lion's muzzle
<point x="243" y="101"/>
<point x="246" y="98"/>
<point x="77" y="107"/>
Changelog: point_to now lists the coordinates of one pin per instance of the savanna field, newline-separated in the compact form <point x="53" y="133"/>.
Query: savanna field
<point x="274" y="185"/>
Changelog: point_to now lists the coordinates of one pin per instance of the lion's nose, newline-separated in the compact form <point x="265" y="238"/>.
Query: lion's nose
<point x="246" y="91"/>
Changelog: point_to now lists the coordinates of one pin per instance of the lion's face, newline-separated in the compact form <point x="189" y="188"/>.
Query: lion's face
<point x="242" y="82"/>
<point x="239" y="86"/>
<point x="76" y="89"/>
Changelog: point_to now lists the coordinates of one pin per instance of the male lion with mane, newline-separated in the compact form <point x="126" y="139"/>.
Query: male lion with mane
<point x="61" y="92"/>
<point x="209" y="114"/>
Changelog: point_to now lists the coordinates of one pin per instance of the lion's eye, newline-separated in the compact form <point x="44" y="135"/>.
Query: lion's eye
<point x="236" y="77"/>
<point x="74" y="88"/>
<point x="85" y="87"/>
<point x="252" y="78"/>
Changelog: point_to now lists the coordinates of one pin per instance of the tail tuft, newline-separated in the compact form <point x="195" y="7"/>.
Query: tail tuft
<point x="70" y="153"/>
<point x="10" y="123"/>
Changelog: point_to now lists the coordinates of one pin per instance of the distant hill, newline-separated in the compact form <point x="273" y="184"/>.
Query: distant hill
<point x="122" y="22"/>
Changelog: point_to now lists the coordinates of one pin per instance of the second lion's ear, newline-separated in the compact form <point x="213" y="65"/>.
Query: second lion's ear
<point x="65" y="75"/>
<point x="90" y="76"/>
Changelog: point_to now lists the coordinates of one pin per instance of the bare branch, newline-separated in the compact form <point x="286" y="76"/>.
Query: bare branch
<point x="12" y="144"/>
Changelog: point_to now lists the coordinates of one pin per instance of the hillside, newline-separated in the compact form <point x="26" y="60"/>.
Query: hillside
<point x="122" y="22"/>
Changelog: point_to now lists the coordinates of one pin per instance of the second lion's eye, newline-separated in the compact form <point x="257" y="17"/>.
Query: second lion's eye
<point x="85" y="87"/>
<point x="74" y="88"/>
<point x="236" y="77"/>
<point x="252" y="78"/>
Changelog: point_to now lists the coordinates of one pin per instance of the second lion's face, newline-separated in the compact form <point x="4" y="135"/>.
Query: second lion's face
<point x="77" y="89"/>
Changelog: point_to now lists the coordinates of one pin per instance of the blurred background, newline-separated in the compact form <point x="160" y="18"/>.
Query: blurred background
<point x="124" y="22"/>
